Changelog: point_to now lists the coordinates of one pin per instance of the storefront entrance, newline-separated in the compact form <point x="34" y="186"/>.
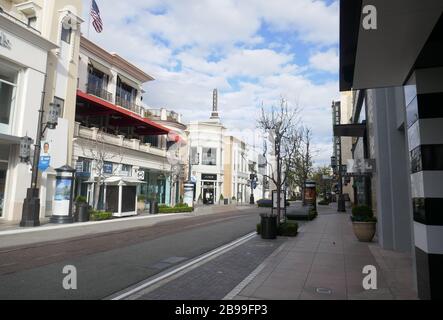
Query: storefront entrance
<point x="208" y="196"/>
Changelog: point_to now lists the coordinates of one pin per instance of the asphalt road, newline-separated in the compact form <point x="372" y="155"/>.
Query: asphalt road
<point x="112" y="262"/>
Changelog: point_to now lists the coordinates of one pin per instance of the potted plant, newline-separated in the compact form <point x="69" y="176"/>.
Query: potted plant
<point x="81" y="209"/>
<point x="363" y="223"/>
<point x="141" y="203"/>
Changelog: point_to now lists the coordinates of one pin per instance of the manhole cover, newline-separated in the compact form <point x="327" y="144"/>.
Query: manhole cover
<point x="324" y="291"/>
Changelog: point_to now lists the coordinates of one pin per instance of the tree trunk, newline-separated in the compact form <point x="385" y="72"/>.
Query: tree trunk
<point x="96" y="194"/>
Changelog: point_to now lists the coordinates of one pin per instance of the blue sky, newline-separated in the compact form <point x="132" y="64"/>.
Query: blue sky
<point x="253" y="51"/>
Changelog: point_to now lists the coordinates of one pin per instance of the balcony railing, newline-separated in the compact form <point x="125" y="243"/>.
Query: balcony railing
<point x="130" y="105"/>
<point x="95" y="135"/>
<point x="97" y="91"/>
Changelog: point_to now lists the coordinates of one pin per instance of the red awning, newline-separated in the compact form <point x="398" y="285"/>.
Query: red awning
<point x="89" y="105"/>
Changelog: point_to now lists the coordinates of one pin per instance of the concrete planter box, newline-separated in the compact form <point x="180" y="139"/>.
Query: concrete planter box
<point x="364" y="231"/>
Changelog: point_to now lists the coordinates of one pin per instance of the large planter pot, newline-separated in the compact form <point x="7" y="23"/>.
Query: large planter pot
<point x="364" y="231"/>
<point x="82" y="212"/>
<point x="141" y="206"/>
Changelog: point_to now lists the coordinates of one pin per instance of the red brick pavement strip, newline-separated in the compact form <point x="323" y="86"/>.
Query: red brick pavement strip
<point x="26" y="257"/>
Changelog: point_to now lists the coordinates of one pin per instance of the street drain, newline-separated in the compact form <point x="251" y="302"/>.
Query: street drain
<point x="324" y="291"/>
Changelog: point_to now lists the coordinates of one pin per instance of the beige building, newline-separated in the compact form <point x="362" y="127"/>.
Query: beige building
<point x="38" y="52"/>
<point x="236" y="170"/>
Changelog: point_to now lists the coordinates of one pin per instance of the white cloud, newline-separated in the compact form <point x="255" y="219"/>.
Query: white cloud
<point x="191" y="47"/>
<point x="325" y="61"/>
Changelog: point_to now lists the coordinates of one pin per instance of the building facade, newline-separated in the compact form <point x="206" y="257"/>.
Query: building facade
<point x="404" y="121"/>
<point x="38" y="53"/>
<point x="115" y="134"/>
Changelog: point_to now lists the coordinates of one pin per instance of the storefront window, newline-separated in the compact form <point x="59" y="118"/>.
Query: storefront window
<point x="209" y="157"/>
<point x="8" y="78"/>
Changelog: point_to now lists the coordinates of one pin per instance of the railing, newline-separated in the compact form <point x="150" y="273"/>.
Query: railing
<point x="96" y="90"/>
<point x="95" y="135"/>
<point x="11" y="17"/>
<point x="129" y="105"/>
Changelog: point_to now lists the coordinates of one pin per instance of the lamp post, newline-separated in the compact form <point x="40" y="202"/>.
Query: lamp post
<point x="31" y="204"/>
<point x="253" y="178"/>
<point x="338" y="168"/>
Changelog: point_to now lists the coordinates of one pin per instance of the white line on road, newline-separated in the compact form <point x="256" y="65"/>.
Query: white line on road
<point x="211" y="254"/>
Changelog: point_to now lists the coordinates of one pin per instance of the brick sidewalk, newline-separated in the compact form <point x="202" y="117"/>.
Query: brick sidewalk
<point x="325" y="261"/>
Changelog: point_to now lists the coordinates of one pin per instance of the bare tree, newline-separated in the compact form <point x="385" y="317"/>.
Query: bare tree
<point x="302" y="167"/>
<point x="281" y="126"/>
<point x="101" y="153"/>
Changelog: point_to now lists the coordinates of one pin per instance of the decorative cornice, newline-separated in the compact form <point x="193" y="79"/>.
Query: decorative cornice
<point x="115" y="60"/>
<point x="26" y="34"/>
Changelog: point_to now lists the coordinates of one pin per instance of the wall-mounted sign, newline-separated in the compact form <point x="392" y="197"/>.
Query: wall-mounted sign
<point x="107" y="168"/>
<point x="208" y="176"/>
<point x="360" y="166"/>
<point x="141" y="175"/>
<point x="4" y="41"/>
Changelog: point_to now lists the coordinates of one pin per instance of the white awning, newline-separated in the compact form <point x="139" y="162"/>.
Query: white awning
<point x="101" y="67"/>
<point x="130" y="82"/>
<point x="116" y="180"/>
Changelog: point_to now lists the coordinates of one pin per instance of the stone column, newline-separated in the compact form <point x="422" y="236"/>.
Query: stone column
<point x="424" y="99"/>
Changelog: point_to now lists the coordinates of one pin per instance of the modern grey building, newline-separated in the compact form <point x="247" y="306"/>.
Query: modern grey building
<point x="391" y="52"/>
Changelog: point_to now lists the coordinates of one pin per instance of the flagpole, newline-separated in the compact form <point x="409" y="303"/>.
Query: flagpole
<point x="89" y="18"/>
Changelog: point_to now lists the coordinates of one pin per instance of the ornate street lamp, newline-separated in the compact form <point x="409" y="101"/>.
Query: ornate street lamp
<point x="31" y="204"/>
<point x="25" y="149"/>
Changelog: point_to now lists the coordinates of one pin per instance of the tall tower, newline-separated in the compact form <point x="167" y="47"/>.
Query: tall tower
<point x="214" y="114"/>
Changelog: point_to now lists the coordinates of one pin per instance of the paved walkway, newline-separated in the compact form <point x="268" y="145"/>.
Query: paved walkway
<point x="325" y="261"/>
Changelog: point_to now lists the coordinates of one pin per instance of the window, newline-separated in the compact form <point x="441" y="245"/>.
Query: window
<point x="126" y="94"/>
<point x="66" y="34"/>
<point x="152" y="140"/>
<point x="8" y="80"/>
<point x="32" y="22"/>
<point x="126" y="170"/>
<point x="209" y="157"/>
<point x="195" y="157"/>
<point x="60" y="102"/>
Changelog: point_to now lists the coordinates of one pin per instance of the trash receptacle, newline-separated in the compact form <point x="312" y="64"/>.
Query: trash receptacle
<point x="268" y="226"/>
<point x="153" y="207"/>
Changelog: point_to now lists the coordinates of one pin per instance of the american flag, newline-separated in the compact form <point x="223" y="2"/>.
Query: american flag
<point x="97" y="20"/>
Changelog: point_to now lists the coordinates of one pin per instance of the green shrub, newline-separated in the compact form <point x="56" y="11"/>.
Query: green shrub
<point x="221" y="197"/>
<point x="233" y="199"/>
<point x="177" y="209"/>
<point x="100" y="215"/>
<point x="288" y="229"/>
<point x="181" y="205"/>
<point x="81" y="199"/>
<point x="142" y="198"/>
<point x="363" y="214"/>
